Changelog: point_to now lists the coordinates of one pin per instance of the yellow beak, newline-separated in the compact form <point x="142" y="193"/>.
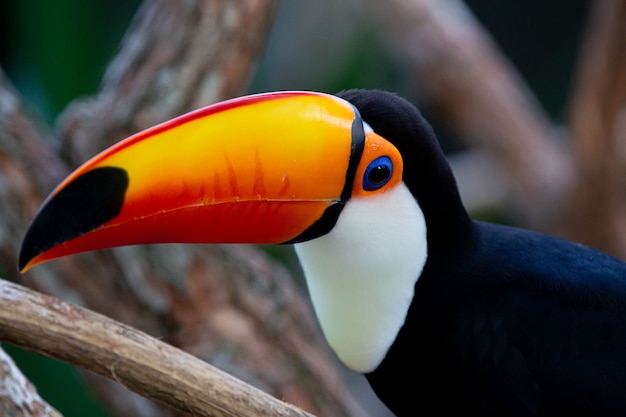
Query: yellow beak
<point x="268" y="168"/>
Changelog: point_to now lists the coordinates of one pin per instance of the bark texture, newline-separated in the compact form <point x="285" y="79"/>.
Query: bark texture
<point x="18" y="397"/>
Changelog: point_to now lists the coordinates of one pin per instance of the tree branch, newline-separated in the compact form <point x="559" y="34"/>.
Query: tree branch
<point x="154" y="369"/>
<point x="18" y="397"/>
<point x="598" y="130"/>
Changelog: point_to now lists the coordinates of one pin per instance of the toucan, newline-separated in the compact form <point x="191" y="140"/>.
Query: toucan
<point x="443" y="314"/>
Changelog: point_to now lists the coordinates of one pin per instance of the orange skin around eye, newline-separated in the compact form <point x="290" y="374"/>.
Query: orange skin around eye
<point x="376" y="146"/>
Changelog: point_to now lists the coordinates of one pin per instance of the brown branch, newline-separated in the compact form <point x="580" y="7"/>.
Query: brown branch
<point x="156" y="370"/>
<point x="598" y="130"/>
<point x="480" y="95"/>
<point x="18" y="397"/>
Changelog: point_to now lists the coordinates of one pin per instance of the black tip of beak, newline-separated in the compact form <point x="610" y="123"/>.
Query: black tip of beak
<point x="82" y="205"/>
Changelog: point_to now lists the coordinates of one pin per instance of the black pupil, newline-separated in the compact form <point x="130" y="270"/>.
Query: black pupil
<point x="378" y="174"/>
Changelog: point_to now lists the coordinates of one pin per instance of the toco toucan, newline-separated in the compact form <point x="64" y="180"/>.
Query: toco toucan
<point x="442" y="314"/>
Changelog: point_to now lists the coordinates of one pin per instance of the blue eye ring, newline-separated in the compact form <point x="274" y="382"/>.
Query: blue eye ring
<point x="377" y="173"/>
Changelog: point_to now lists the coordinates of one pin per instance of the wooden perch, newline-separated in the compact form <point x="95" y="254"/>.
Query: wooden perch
<point x="51" y="327"/>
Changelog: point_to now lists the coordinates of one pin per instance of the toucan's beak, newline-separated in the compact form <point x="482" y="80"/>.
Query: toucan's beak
<point x="267" y="168"/>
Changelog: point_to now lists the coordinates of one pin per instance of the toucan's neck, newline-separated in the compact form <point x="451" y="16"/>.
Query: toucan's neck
<point x="433" y="185"/>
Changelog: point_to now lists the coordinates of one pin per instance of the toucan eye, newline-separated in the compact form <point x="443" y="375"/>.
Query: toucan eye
<point x="377" y="173"/>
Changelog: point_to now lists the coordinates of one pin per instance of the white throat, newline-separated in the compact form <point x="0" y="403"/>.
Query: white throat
<point x="362" y="274"/>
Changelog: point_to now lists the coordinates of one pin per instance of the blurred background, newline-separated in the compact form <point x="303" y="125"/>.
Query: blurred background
<point x="56" y="51"/>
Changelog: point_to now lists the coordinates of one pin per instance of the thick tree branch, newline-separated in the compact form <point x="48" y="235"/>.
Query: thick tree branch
<point x="154" y="369"/>
<point x="598" y="130"/>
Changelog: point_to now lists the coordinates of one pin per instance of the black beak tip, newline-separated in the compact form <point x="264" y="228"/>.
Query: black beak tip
<point x="87" y="202"/>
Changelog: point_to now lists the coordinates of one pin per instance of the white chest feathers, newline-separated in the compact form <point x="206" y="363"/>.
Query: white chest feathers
<point x="361" y="275"/>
